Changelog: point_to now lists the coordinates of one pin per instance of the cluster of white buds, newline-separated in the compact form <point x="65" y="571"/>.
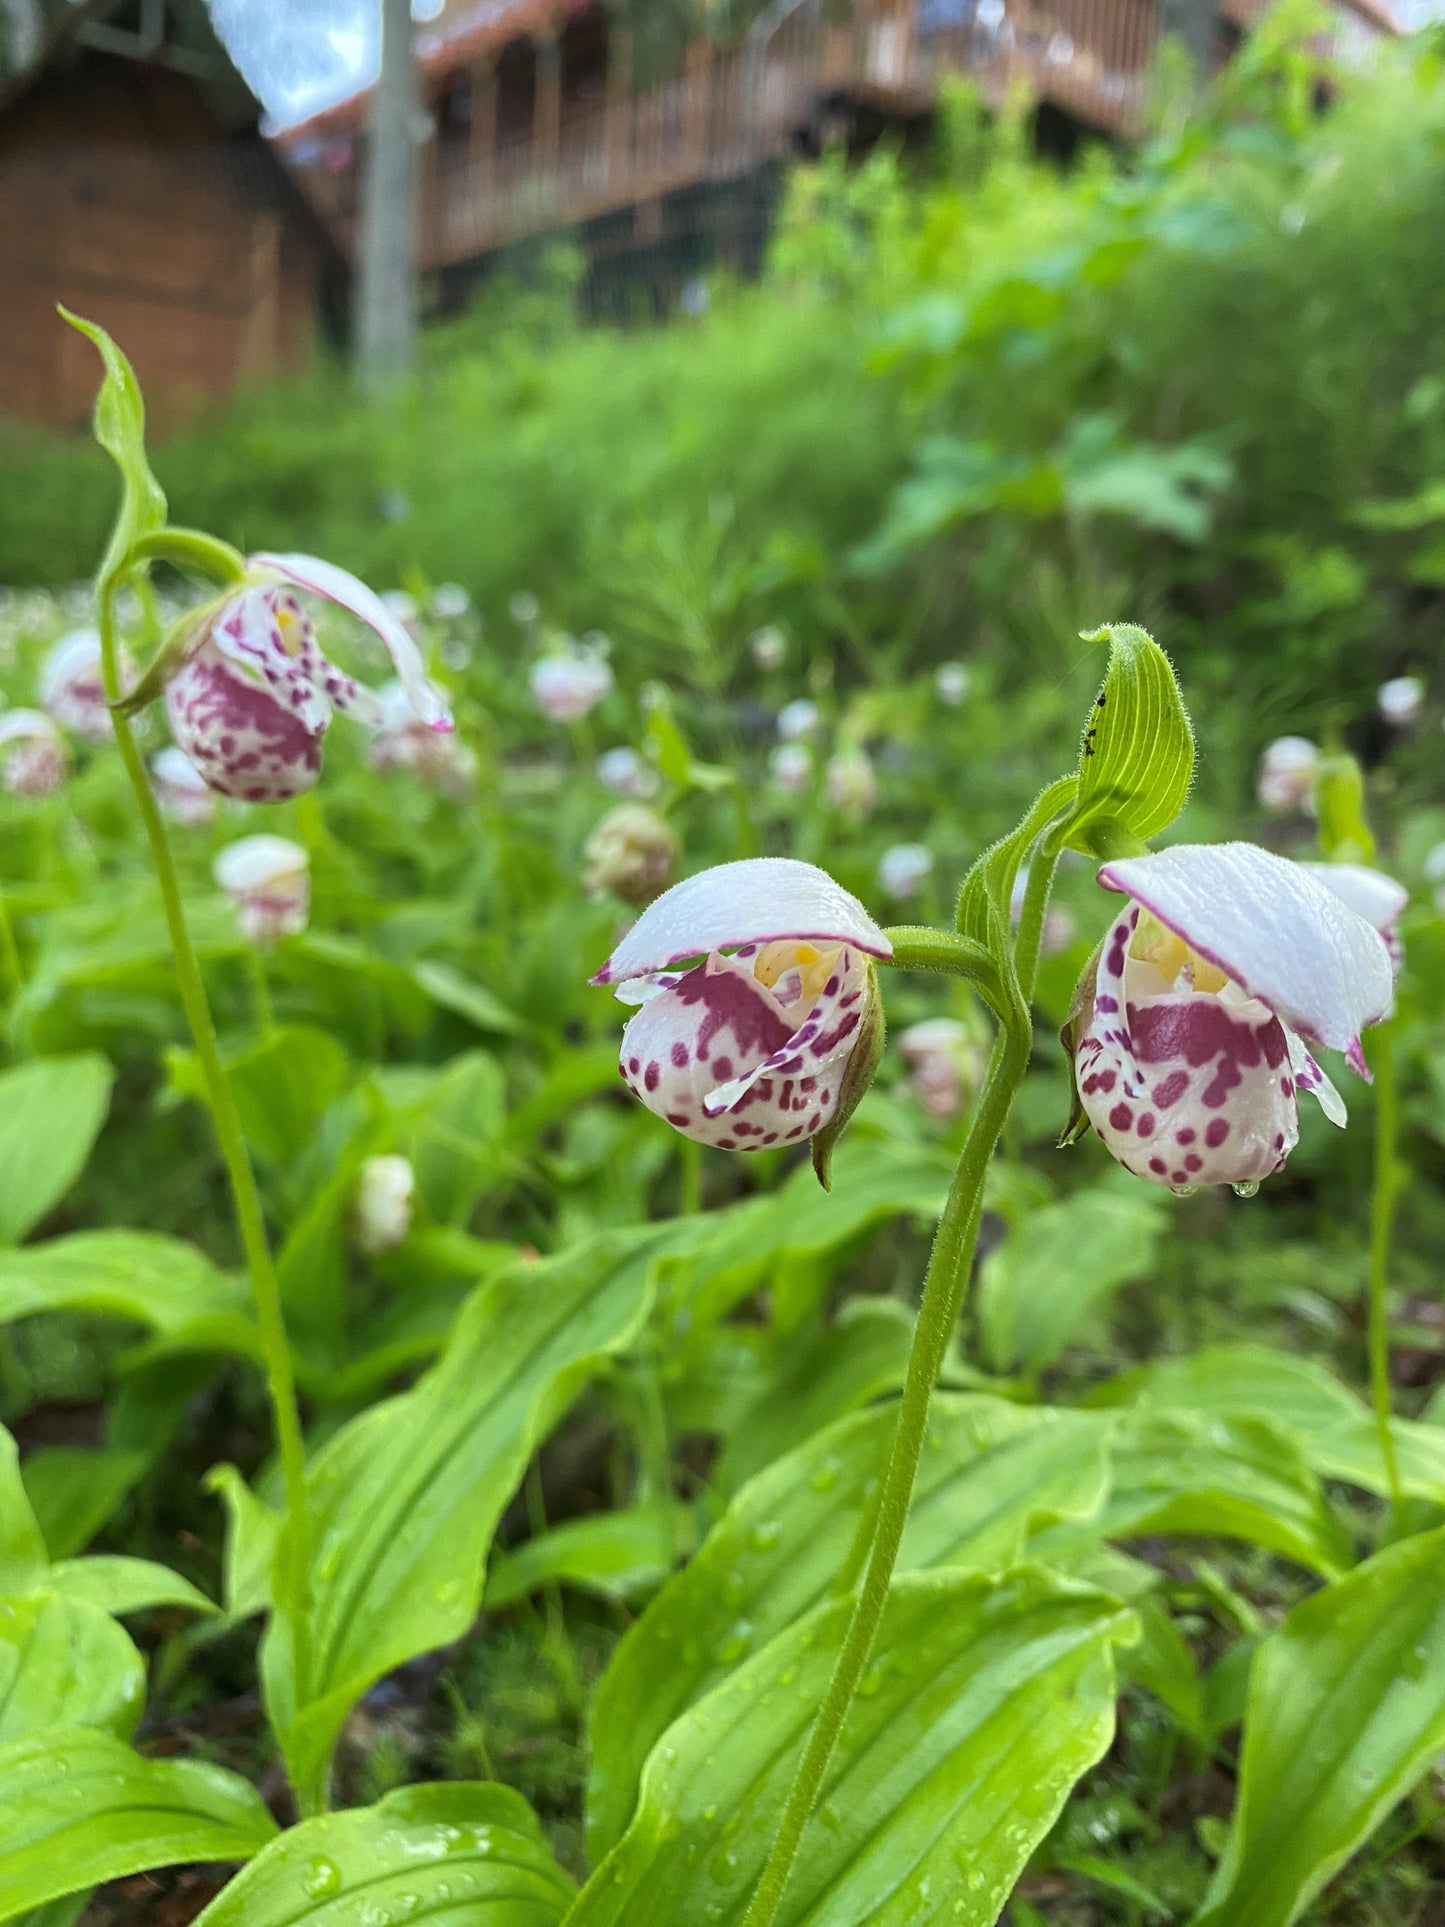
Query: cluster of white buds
<point x="1288" y="772"/>
<point x="569" y="683"/>
<point x="35" y="759"/>
<point x="268" y="878"/>
<point x="631" y="854"/>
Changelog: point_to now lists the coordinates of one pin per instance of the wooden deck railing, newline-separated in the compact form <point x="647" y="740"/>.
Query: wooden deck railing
<point x="728" y="112"/>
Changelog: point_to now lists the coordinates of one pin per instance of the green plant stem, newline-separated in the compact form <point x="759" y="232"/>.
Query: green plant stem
<point x="1382" y="1207"/>
<point x="260" y="994"/>
<point x="944" y="1284"/>
<point x="10" y="950"/>
<point x="294" y="1574"/>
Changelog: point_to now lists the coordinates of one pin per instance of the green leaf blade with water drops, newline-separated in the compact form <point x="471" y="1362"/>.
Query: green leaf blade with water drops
<point x="986" y="1699"/>
<point x="458" y="1854"/>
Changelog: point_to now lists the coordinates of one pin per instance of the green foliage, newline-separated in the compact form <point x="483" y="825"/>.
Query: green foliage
<point x="51" y="1113"/>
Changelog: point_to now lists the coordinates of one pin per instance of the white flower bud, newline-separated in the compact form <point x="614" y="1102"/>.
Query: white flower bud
<point x="385" y="1197"/>
<point x="768" y="647"/>
<point x="182" y="792"/>
<point x="1400" y="700"/>
<point x="950" y="681"/>
<point x="568" y="685"/>
<point x="798" y="721"/>
<point x="904" y="869"/>
<point x="632" y="853"/>
<point x="624" y="772"/>
<point x="1288" y="771"/>
<point x="791" y="767"/>
<point x="268" y="879"/>
<point x="851" y="783"/>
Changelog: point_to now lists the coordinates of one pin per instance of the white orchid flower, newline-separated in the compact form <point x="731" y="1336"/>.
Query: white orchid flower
<point x="769" y="647"/>
<point x="569" y="684"/>
<point x="1225" y="964"/>
<point x="1288" y="772"/>
<point x="791" y="767"/>
<point x="950" y="682"/>
<point x="253" y="695"/>
<point x="798" y="721"/>
<point x="268" y="879"/>
<point x="1400" y="700"/>
<point x="72" y="685"/>
<point x="32" y="752"/>
<point x="945" y="1064"/>
<point x="903" y="869"/>
<point x="402" y="741"/>
<point x="752" y="979"/>
<point x="624" y="772"/>
<point x="852" y="783"/>
<point x="182" y="792"/>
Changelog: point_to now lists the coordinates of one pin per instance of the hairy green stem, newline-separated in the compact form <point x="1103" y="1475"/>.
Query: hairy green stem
<point x="943" y="1287"/>
<point x="294" y="1574"/>
<point x="1382" y="1207"/>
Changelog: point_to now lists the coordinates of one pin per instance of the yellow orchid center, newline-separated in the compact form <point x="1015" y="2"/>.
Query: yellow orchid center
<point x="1172" y="957"/>
<point x="291" y="627"/>
<point x="775" y="960"/>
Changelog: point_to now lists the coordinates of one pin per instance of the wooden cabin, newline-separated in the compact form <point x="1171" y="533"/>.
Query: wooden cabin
<point x="136" y="189"/>
<point x="540" y="121"/>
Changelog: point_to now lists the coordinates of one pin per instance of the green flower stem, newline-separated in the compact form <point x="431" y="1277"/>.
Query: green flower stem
<point x="294" y="1575"/>
<point x="265" y="1015"/>
<point x="1035" y="908"/>
<point x="944" y="1284"/>
<point x="1382" y="1206"/>
<point x="10" y="950"/>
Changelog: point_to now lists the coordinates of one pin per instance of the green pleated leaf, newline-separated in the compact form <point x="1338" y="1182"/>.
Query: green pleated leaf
<point x="988" y="1471"/>
<point x="74" y="1489"/>
<point x="457" y="1854"/>
<point x="984" y="1701"/>
<point x="23" y="1558"/>
<point x="65" y="1663"/>
<point x="77" y="1807"/>
<point x="161" y="1282"/>
<point x="1334" y="1426"/>
<point x="120" y="428"/>
<point x="616" y="1554"/>
<point x="1346" y="1710"/>
<point x="1136" y="761"/>
<point x="51" y="1112"/>
<point x="404" y="1499"/>
<point x="118" y="1584"/>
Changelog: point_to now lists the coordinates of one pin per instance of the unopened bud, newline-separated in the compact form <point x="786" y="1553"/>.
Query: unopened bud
<point x="385" y="1196"/>
<point x="632" y="854"/>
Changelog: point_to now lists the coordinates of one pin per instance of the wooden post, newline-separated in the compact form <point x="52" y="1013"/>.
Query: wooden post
<point x="617" y="113"/>
<point x="547" y="102"/>
<point x="697" y="110"/>
<point x="482" y="149"/>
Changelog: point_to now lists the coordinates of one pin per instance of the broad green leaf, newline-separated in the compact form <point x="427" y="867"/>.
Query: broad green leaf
<point x="1050" y="1272"/>
<point x="74" y="1490"/>
<point x="1237" y="1475"/>
<point x="65" y="1663"/>
<point x="1335" y="1428"/>
<point x="985" y="1700"/>
<point x="23" y="1558"/>
<point x="1346" y="1710"/>
<point x="463" y="995"/>
<point x="617" y="1554"/>
<point x="1136" y="761"/>
<point x="51" y="1112"/>
<point x="404" y="1499"/>
<point x="120" y="425"/>
<point x="989" y="1471"/>
<point x="826" y="1372"/>
<point x="77" y="1807"/>
<point x="118" y="1584"/>
<point x="457" y="1854"/>
<point x="282" y="1085"/>
<point x="157" y="1281"/>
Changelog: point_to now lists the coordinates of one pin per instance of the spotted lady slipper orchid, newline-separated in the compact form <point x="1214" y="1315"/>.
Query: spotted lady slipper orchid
<point x="852" y="784"/>
<point x="72" y="685"/>
<point x="182" y="792"/>
<point x="435" y="757"/>
<point x="1225" y="964"/>
<point x="252" y="695"/>
<point x="945" y="1064"/>
<point x="35" y="762"/>
<point x="268" y="879"/>
<point x="1288" y="772"/>
<point x="569" y="684"/>
<point x="752" y="980"/>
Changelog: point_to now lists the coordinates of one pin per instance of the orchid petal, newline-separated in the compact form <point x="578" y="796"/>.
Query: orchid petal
<point x="1369" y="893"/>
<point x="1311" y="1078"/>
<point x="757" y="900"/>
<point x="247" y="632"/>
<point x="1273" y="928"/>
<point x="18" y="725"/>
<point x="828" y="1031"/>
<point x="347" y="592"/>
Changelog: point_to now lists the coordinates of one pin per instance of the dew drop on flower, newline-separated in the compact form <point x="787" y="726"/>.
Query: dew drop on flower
<point x="1247" y="1189"/>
